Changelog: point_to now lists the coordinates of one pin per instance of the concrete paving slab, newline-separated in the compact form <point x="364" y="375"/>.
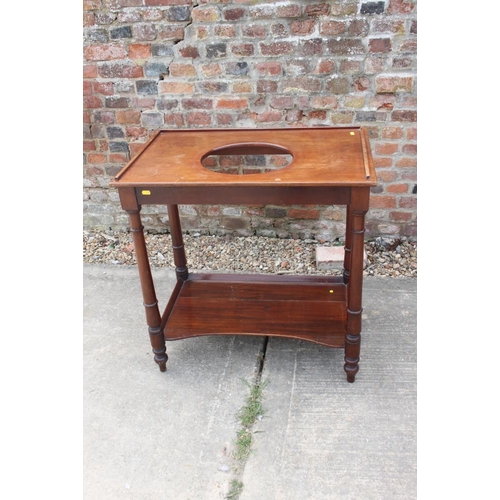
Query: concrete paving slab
<point x="322" y="438"/>
<point x="147" y="434"/>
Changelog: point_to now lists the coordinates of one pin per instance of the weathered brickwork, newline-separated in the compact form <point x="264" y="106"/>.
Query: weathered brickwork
<point x="151" y="64"/>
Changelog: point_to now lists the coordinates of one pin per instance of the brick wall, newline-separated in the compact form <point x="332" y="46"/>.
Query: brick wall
<point x="152" y="64"/>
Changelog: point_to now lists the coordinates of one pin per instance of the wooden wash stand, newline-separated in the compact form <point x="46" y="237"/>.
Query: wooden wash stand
<point x="330" y="166"/>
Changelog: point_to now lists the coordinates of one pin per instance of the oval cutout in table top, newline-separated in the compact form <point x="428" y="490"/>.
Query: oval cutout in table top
<point x="247" y="158"/>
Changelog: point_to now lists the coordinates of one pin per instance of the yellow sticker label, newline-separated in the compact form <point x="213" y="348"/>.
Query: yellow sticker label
<point x="146" y="192"/>
<point x="352" y="133"/>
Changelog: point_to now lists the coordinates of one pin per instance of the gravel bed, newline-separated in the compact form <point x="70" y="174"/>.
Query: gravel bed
<point x="385" y="257"/>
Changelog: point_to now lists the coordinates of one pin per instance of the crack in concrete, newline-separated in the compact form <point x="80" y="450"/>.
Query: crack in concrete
<point x="239" y="469"/>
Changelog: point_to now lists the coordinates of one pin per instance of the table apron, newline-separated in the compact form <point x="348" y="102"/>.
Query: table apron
<point x="243" y="195"/>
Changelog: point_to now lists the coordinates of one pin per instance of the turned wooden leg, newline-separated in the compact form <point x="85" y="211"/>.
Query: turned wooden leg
<point x="358" y="209"/>
<point x="347" y="245"/>
<point x="153" y="316"/>
<point x="180" y="262"/>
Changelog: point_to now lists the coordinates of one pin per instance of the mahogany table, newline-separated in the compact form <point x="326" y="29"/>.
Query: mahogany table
<point x="329" y="166"/>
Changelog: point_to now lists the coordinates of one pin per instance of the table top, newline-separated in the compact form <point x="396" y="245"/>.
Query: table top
<point x="322" y="156"/>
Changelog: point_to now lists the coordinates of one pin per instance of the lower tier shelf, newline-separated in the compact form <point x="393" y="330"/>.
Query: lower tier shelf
<point x="311" y="308"/>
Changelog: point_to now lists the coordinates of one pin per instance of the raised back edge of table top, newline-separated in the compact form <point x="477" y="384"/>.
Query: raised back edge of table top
<point x="322" y="156"/>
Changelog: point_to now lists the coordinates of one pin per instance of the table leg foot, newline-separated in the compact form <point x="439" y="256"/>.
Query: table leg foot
<point x="351" y="357"/>
<point x="161" y="359"/>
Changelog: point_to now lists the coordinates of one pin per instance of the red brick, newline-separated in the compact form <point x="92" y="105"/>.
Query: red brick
<point x="93" y="170"/>
<point x="386" y="148"/>
<point x="324" y="102"/>
<point x="318" y="9"/>
<point x="197" y="103"/>
<point x="254" y="31"/>
<point x="400" y="7"/>
<point x="346" y="46"/>
<point x="91" y="4"/>
<point x="406" y="163"/>
<point x="293" y="10"/>
<point x="282" y="102"/>
<point x="266" y="86"/>
<point x="88" y="19"/>
<point x="400" y="216"/>
<point x="211" y="69"/>
<point x="104" y="88"/>
<point x="294" y="116"/>
<point x="190" y="51"/>
<point x="350" y="67"/>
<point x="174" y="119"/>
<point x="198" y="118"/>
<point x="404" y="116"/>
<point x="392" y="133"/>
<point x="276" y="48"/>
<point x="311" y="47"/>
<point x="103" y="145"/>
<point x="358" y="27"/>
<point x="269" y="116"/>
<point x="139" y="51"/>
<point x="380" y="45"/>
<point x="324" y="67"/>
<point x="386" y="175"/>
<point x="169" y="32"/>
<point x="382" y="201"/>
<point x="232" y="103"/>
<point x="90" y="71"/>
<point x="145" y="102"/>
<point x="136" y="132"/>
<point x="128" y="116"/>
<point x="409" y="175"/>
<point x="118" y="158"/>
<point x="388" y="26"/>
<point x="410" y="149"/>
<point x="332" y="28"/>
<point x="96" y="158"/>
<point x="205" y="14"/>
<point x="146" y="32"/>
<point x="397" y="188"/>
<point x="375" y="64"/>
<point x="269" y="68"/>
<point x="151" y="14"/>
<point x="104" y="52"/>
<point x="89" y="145"/>
<point x="87" y="88"/>
<point x="243" y="49"/>
<point x="201" y="32"/>
<point x="243" y="87"/>
<point x="411" y="134"/>
<point x="393" y="84"/>
<point x="176" y="88"/>
<point x="382" y="162"/>
<point x="120" y="70"/>
<point x="408" y="46"/>
<point x="302" y="84"/>
<point x="224" y="119"/>
<point x="408" y="202"/>
<point x="234" y="14"/>
<point x="302" y="27"/>
<point x="92" y="101"/>
<point x="316" y="115"/>
<point x="225" y="31"/>
<point x="303" y="213"/>
<point x="182" y="70"/>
